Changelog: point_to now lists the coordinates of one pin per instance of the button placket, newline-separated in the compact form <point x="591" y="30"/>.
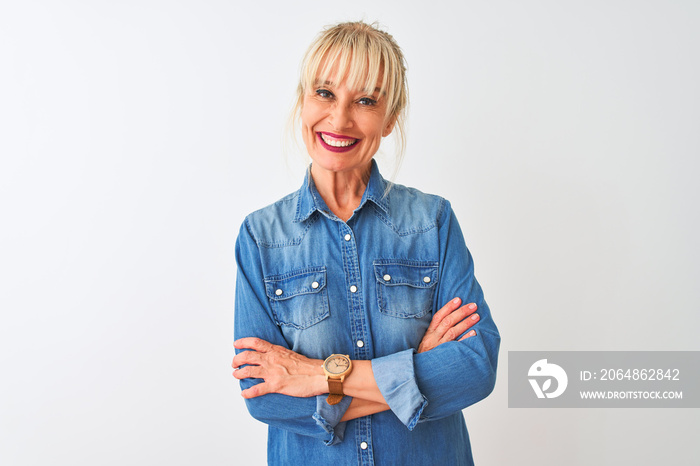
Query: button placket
<point x="364" y="430"/>
<point x="358" y="330"/>
<point x="351" y="265"/>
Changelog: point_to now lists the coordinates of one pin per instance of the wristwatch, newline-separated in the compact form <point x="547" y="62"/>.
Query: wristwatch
<point x="336" y="367"/>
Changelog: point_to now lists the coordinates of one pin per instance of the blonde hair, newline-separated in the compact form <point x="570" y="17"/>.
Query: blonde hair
<point x="364" y="55"/>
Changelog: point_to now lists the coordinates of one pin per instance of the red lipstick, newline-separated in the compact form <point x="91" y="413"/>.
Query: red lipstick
<point x="336" y="136"/>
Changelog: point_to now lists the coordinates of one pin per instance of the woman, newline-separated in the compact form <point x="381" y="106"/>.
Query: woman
<point x="352" y="342"/>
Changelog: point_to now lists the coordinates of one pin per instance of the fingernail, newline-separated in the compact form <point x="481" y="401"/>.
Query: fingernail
<point x="456" y="300"/>
<point x="475" y="316"/>
<point x="472" y="333"/>
<point x="471" y="306"/>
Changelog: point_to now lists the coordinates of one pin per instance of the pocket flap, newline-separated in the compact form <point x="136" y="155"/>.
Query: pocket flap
<point x="298" y="282"/>
<point x="418" y="274"/>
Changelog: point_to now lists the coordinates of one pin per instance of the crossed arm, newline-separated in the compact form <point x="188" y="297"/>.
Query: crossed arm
<point x="445" y="376"/>
<point x="289" y="373"/>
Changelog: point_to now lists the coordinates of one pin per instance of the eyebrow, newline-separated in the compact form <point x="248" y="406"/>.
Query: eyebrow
<point x="331" y="83"/>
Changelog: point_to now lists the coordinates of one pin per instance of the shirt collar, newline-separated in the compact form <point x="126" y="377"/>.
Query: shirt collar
<point x="310" y="200"/>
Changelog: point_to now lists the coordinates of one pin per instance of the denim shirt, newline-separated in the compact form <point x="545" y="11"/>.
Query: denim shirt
<point x="368" y="288"/>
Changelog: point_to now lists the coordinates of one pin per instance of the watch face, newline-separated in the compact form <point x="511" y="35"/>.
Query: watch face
<point x="337" y="364"/>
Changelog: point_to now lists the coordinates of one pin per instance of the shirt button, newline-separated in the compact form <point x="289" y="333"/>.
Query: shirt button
<point x="353" y="289"/>
<point x="314" y="285"/>
<point x="387" y="277"/>
<point x="426" y="279"/>
<point x="348" y="237"/>
<point x="360" y="343"/>
<point x="364" y="445"/>
<point x="278" y="292"/>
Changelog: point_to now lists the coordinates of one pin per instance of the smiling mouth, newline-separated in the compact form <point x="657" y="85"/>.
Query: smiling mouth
<point x="336" y="143"/>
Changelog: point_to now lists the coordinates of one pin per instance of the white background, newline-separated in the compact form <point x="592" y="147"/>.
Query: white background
<point x="136" y="135"/>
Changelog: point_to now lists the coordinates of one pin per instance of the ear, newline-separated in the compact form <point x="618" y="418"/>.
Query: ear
<point x="389" y="127"/>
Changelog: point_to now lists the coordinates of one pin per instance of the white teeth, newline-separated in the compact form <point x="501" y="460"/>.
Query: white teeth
<point x="337" y="142"/>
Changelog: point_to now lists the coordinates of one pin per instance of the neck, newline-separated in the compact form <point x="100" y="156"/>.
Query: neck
<point x="342" y="191"/>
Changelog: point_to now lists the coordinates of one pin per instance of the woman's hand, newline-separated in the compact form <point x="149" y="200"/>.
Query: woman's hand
<point x="448" y="324"/>
<point x="282" y="370"/>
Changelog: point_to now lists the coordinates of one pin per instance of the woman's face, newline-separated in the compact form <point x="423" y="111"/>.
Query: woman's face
<point x="342" y="128"/>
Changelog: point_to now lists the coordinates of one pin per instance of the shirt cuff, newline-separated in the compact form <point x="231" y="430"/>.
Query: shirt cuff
<point x="329" y="416"/>
<point x="397" y="382"/>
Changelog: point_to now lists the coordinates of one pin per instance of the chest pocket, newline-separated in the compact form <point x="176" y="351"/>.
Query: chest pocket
<point x="299" y="299"/>
<point x="405" y="288"/>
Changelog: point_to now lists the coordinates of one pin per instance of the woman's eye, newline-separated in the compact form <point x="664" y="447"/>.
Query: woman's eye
<point x="323" y="93"/>
<point x="367" y="101"/>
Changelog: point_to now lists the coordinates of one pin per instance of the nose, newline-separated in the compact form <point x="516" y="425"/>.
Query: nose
<point x="340" y="117"/>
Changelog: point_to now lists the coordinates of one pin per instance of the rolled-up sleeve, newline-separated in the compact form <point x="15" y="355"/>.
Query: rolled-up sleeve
<point x="311" y="416"/>
<point x="396" y="380"/>
<point x="434" y="384"/>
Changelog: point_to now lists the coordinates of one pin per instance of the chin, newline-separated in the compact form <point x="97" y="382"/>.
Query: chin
<point x="336" y="164"/>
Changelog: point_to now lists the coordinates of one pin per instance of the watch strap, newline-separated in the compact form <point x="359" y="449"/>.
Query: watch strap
<point x="334" y="399"/>
<point x="335" y="391"/>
